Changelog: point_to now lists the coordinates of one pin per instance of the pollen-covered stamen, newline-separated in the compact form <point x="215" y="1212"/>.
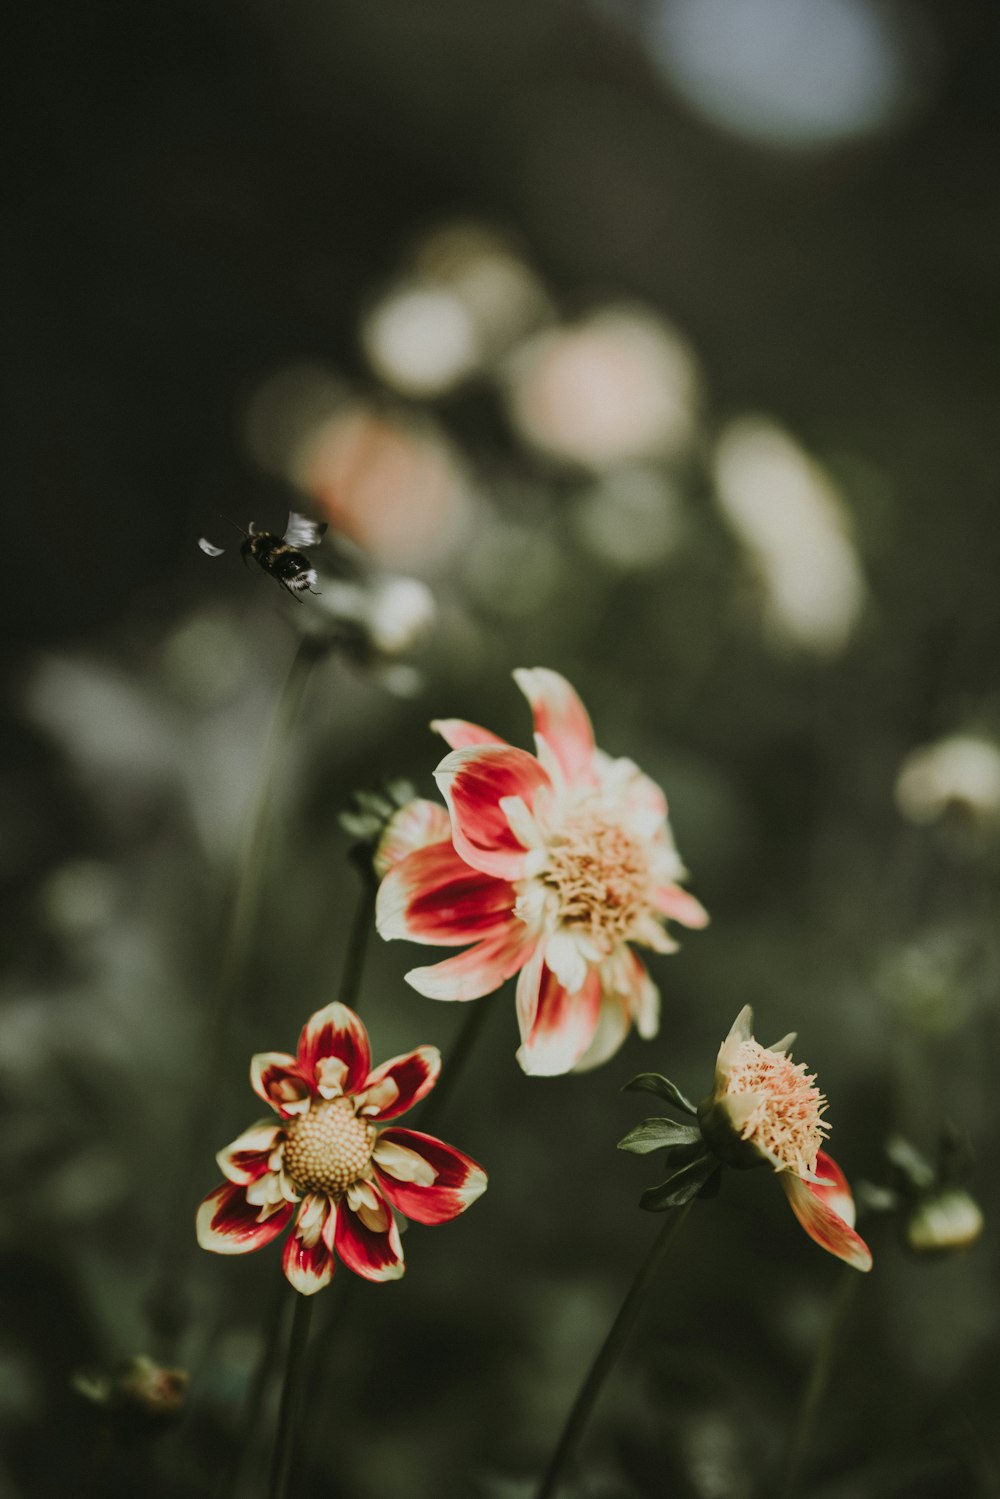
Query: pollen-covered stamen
<point x="601" y="879"/>
<point x="327" y="1148"/>
<point x="785" y="1107"/>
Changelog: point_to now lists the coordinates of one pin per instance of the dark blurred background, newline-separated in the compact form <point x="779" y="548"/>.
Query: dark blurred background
<point x="650" y="340"/>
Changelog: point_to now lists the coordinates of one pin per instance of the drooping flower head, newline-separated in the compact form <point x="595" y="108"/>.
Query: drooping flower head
<point x="552" y="865"/>
<point x="330" y="1155"/>
<point x="764" y="1109"/>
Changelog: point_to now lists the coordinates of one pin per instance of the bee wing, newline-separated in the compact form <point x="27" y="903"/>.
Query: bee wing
<point x="301" y="531"/>
<point x="209" y="549"/>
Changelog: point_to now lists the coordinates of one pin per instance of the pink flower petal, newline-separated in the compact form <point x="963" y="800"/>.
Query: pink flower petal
<point x="400" y="1083"/>
<point x="473" y="782"/>
<point x="278" y="1079"/>
<point x="813" y="1205"/>
<point x="613" y="1024"/>
<point x="308" y="1259"/>
<point x="563" y="1026"/>
<point x="374" y="1255"/>
<point x="247" y="1157"/>
<point x="434" y="896"/>
<point x="561" y="720"/>
<point x="227" y="1224"/>
<point x="458" y="734"/>
<point x="479" y="970"/>
<point x="459" y="1180"/>
<point x="680" y="905"/>
<point x="418" y="824"/>
<point x="334" y="1050"/>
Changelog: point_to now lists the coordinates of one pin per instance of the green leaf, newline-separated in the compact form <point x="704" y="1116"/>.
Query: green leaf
<point x="681" y="1186"/>
<point x="659" y="1134"/>
<point x="652" y="1082"/>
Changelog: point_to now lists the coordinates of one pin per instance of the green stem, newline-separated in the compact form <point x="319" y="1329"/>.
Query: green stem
<point x="470" y="1030"/>
<point x="166" y="1302"/>
<point x="608" y="1354"/>
<point x="291" y="1397"/>
<point x="819" y="1377"/>
<point x="357" y="946"/>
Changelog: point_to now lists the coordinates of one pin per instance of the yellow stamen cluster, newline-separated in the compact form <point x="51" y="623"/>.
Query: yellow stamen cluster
<point x="327" y="1148"/>
<point x="786" y="1123"/>
<point x="601" y="878"/>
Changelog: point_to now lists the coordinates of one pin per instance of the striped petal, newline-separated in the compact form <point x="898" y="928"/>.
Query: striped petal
<point x="434" y="896"/>
<point x="561" y="720"/>
<point x="563" y="1026"/>
<point x="400" y="1083"/>
<point x="613" y="1024"/>
<point x="227" y="1224"/>
<point x="419" y="823"/>
<point x="825" y="1208"/>
<point x="307" y="1259"/>
<point x="334" y="1050"/>
<point x="474" y="782"/>
<point x="278" y="1079"/>
<point x="247" y="1157"/>
<point x="680" y="905"/>
<point x="479" y="970"/>
<point x="375" y="1253"/>
<point x="458" y="734"/>
<point x="424" y="1178"/>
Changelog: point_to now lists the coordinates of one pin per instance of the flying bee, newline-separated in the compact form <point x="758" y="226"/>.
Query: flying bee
<point x="281" y="556"/>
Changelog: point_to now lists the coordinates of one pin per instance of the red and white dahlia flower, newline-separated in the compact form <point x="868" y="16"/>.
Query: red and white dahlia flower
<point x="329" y="1155"/>
<point x="551" y="865"/>
<point x="772" y="1109"/>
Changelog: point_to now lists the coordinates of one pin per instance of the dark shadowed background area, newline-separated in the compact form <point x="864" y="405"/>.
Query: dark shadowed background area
<point x="653" y="341"/>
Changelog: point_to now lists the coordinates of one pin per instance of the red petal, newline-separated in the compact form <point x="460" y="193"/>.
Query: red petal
<point x="309" y="1267"/>
<point x="459" y="1180"/>
<point x="815" y="1205"/>
<point x="412" y="1076"/>
<point x="561" y="720"/>
<point x="335" y="1032"/>
<point x="474" y="781"/>
<point x="227" y="1224"/>
<point x="376" y="1256"/>
<point x="480" y="970"/>
<point x="277" y="1078"/>
<point x="434" y="896"/>
<point x="459" y="734"/>
<point x="680" y="905"/>
<point x="246" y="1159"/>
<point x="563" y="1025"/>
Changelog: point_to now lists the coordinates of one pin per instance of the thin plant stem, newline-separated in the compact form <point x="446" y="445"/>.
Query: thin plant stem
<point x="291" y="1397"/>
<point x="469" y="1032"/>
<point x="357" y="946"/>
<point x="819" y="1375"/>
<point x="608" y="1355"/>
<point x="166" y="1302"/>
<point x="249" y="1421"/>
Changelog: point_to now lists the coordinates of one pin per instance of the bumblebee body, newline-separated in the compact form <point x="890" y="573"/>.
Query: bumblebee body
<point x="280" y="556"/>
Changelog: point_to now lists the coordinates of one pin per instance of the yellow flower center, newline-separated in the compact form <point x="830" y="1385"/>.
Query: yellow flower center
<point x="327" y="1148"/>
<point x="786" y="1124"/>
<point x="601" y="878"/>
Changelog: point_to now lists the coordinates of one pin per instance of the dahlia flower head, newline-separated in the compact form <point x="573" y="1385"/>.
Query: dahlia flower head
<point x="328" y="1161"/>
<point x="551" y="865"/>
<point x="764" y="1110"/>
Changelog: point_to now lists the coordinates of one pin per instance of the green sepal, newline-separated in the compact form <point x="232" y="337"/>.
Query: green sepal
<point x="659" y="1134"/>
<point x="681" y="1186"/>
<point x="652" y="1082"/>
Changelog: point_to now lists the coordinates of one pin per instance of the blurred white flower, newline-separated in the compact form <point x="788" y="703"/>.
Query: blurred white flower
<point x="962" y="770"/>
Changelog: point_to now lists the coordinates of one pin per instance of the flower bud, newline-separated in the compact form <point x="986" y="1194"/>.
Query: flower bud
<point x="943" y="1222"/>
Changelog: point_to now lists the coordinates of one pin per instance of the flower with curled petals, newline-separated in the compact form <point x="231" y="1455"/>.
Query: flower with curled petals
<point x="330" y="1157"/>
<point x="552" y="865"/>
<point x="764" y="1110"/>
